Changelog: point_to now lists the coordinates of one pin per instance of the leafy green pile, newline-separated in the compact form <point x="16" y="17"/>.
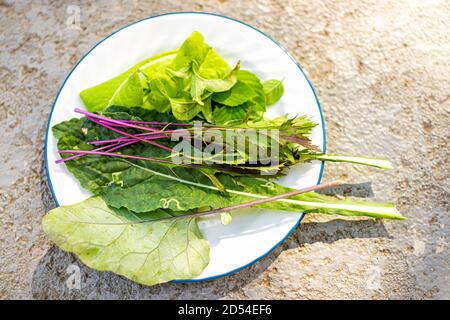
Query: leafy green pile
<point x="142" y="220"/>
<point x="193" y="81"/>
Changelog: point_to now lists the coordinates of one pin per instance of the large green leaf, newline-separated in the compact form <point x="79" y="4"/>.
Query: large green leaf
<point x="124" y="89"/>
<point x="147" y="253"/>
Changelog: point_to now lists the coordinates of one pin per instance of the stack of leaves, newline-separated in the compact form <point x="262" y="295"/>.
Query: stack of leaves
<point x="191" y="82"/>
<point x="142" y="220"/>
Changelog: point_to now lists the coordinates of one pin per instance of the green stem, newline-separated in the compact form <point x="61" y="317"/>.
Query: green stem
<point x="373" y="162"/>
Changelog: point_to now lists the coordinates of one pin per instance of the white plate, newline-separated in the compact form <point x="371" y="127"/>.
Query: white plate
<point x="254" y="233"/>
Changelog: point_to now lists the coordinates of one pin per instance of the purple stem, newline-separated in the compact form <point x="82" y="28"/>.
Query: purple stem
<point x="154" y="123"/>
<point x="111" y="154"/>
<point x="124" y="139"/>
<point x="114" y="148"/>
<point x="156" y="160"/>
<point x="102" y="123"/>
<point x="112" y="121"/>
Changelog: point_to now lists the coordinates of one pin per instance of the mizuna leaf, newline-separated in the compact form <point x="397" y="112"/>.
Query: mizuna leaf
<point x="148" y="253"/>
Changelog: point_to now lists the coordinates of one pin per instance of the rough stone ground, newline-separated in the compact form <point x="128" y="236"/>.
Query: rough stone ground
<point x="381" y="71"/>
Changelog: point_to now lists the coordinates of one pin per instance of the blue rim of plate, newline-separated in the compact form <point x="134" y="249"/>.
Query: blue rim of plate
<point x="225" y="17"/>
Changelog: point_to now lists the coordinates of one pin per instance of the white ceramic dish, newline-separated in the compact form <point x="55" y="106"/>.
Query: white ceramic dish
<point x="253" y="233"/>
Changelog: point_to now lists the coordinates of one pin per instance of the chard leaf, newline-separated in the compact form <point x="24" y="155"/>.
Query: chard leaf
<point x="144" y="187"/>
<point x="194" y="191"/>
<point x="147" y="253"/>
<point x="273" y="89"/>
<point x="124" y="89"/>
<point x="70" y="128"/>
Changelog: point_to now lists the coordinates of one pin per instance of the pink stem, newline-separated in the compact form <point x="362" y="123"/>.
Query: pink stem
<point x="112" y="121"/>
<point x="124" y="139"/>
<point x="102" y="123"/>
<point x="114" y="148"/>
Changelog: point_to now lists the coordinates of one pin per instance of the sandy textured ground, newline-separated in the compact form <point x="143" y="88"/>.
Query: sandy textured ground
<point x="381" y="71"/>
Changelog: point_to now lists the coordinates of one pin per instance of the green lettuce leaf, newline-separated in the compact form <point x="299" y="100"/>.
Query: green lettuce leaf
<point x="244" y="102"/>
<point x="125" y="89"/>
<point x="147" y="253"/>
<point x="206" y="70"/>
<point x="237" y="95"/>
<point x="273" y="89"/>
<point x="230" y="116"/>
<point x="200" y="84"/>
<point x="184" y="108"/>
<point x="193" y="48"/>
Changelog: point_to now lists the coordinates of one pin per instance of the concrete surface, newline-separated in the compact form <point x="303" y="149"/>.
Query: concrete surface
<point x="381" y="71"/>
